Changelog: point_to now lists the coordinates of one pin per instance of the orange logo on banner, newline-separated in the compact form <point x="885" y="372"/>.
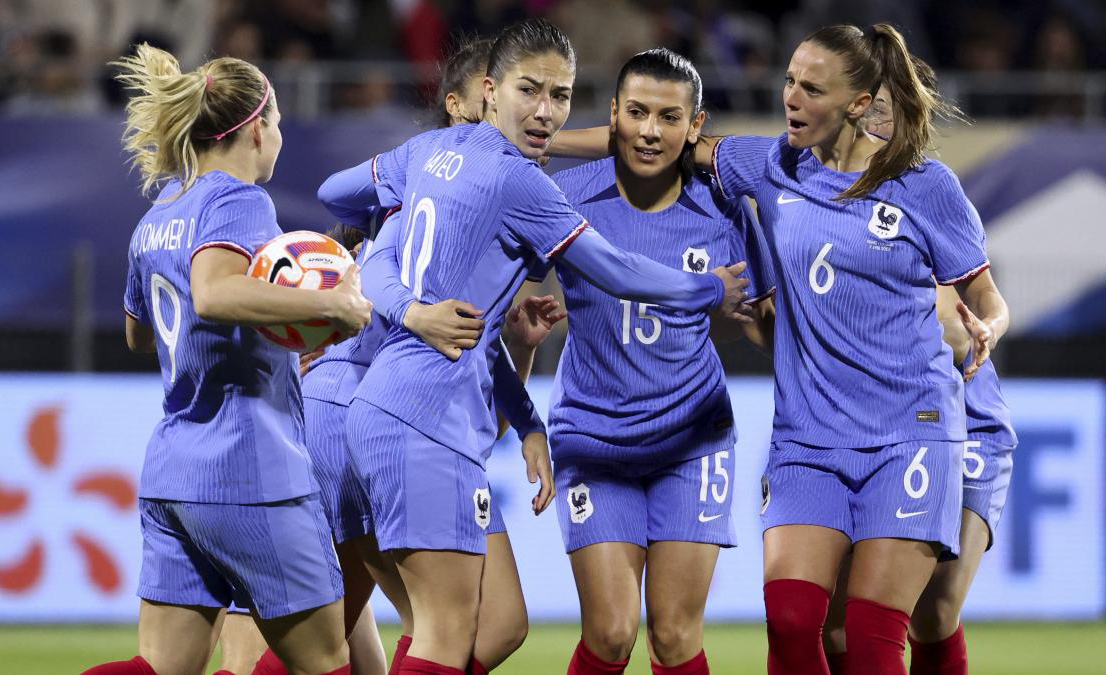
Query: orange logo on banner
<point x="44" y="443"/>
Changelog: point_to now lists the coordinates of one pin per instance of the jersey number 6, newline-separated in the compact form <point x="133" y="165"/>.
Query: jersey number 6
<point x="820" y="263"/>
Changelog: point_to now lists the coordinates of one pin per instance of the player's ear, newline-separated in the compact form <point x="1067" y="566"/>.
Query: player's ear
<point x="489" y="92"/>
<point x="859" y="106"/>
<point x="453" y="105"/>
<point x="256" y="132"/>
<point x="696" y="127"/>
<point x="614" y="114"/>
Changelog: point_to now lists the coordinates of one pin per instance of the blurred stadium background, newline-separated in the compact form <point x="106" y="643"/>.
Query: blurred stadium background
<point x="352" y="77"/>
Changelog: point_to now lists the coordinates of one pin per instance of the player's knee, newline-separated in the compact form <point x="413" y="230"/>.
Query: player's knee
<point x="833" y="639"/>
<point x="612" y="640"/>
<point x="935" y="619"/>
<point x="786" y="624"/>
<point x="673" y="638"/>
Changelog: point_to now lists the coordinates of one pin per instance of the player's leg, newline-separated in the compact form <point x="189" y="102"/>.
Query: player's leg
<point x="906" y="513"/>
<point x="183" y="596"/>
<point x="386" y="575"/>
<point x="242" y="643"/>
<point x="431" y="507"/>
<point x="503" y="624"/>
<point x="833" y="634"/>
<point x="807" y="527"/>
<point x="690" y="505"/>
<point x="366" y="651"/>
<point x="365" y="648"/>
<point x="937" y="639"/>
<point x="604" y="523"/>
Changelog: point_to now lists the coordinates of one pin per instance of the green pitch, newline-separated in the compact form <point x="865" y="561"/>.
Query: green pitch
<point x="995" y="649"/>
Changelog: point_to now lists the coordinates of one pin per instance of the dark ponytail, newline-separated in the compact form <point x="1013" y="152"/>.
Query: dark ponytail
<point x="877" y="56"/>
<point x="469" y="58"/>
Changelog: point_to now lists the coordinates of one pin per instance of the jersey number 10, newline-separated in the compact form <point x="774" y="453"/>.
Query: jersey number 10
<point x="424" y="207"/>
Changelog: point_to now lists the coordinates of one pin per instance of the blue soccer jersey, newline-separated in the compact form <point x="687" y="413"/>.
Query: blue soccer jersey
<point x="641" y="382"/>
<point x="859" y="358"/>
<point x="233" y="426"/>
<point x="477" y="212"/>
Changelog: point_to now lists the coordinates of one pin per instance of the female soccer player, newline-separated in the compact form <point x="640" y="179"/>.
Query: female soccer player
<point x="641" y="427"/>
<point x="228" y="505"/>
<point x="869" y="425"/>
<point x="328" y="386"/>
<point x="479" y="214"/>
<point x="936" y="636"/>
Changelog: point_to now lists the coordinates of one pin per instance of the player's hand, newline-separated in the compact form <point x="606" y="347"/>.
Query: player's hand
<point x="535" y="450"/>
<point x="307" y="358"/>
<point x="983" y="340"/>
<point x="448" y="326"/>
<point x="734" y="306"/>
<point x="350" y="310"/>
<point x="531" y="321"/>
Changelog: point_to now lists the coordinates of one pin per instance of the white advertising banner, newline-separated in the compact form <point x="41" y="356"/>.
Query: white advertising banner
<point x="70" y="547"/>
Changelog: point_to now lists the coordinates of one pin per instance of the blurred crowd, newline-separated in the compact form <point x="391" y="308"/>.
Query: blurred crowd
<point x="53" y="52"/>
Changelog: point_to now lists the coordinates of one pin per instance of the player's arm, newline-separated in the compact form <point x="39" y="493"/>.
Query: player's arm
<point x="526" y="326"/>
<point x="448" y="326"/>
<point x="760" y="331"/>
<point x="140" y="336"/>
<point x="955" y="334"/>
<point x="222" y="293"/>
<point x="593" y="143"/>
<point x="354" y="195"/>
<point x="984" y="315"/>
<point x="513" y="402"/>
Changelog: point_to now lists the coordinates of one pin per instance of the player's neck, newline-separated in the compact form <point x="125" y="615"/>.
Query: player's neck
<point x="649" y="194"/>
<point x="233" y="163"/>
<point x="850" y="151"/>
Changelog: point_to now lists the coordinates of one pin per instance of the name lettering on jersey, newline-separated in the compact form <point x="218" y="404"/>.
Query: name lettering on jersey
<point x="166" y="236"/>
<point x="444" y="164"/>
<point x="696" y="260"/>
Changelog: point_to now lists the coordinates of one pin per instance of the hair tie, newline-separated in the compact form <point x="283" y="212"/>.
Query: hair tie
<point x="209" y="81"/>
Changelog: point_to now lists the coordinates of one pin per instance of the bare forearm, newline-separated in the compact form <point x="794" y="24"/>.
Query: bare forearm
<point x="242" y="300"/>
<point x="593" y="143"/>
<point x="523" y="358"/>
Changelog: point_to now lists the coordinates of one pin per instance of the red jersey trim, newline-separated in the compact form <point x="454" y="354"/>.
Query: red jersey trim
<point x="714" y="167"/>
<point x="967" y="277"/>
<point x="228" y="245"/>
<point x="559" y="248"/>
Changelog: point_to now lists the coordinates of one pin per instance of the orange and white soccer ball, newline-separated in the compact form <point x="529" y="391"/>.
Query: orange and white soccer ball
<point x="301" y="259"/>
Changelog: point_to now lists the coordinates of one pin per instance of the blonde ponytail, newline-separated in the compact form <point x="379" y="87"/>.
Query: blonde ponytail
<point x="174" y="116"/>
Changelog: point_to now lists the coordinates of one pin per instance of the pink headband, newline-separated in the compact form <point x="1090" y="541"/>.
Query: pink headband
<point x="208" y="82"/>
<point x="255" y="113"/>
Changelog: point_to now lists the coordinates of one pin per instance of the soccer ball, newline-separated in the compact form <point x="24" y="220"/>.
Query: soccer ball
<point x="301" y="259"/>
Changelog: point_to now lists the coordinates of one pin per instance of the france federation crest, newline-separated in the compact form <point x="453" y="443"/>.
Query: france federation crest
<point x="482" y="500"/>
<point x="696" y="260"/>
<point x="885" y="220"/>
<point x="579" y="503"/>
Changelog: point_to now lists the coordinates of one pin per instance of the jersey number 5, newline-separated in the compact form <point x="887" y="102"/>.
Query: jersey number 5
<point x="644" y="316"/>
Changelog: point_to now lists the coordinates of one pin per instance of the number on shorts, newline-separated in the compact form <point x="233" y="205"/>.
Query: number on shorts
<point x="975" y="457"/>
<point x="916" y="467"/>
<point x="644" y="316"/>
<point x="820" y="262"/>
<point x="169" y="334"/>
<point x="719" y="470"/>
<point x="424" y="207"/>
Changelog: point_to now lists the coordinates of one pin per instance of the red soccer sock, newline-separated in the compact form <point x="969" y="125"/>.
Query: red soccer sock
<point x="136" y="666"/>
<point x="402" y="645"/>
<point x="696" y="666"/>
<point x="836" y="663"/>
<point x="222" y="672"/>
<point x="269" y="664"/>
<point x="475" y="667"/>
<point x="876" y="635"/>
<point x="584" y="662"/>
<point x="947" y="657"/>
<point x="796" y="612"/>
<point x="415" y="666"/>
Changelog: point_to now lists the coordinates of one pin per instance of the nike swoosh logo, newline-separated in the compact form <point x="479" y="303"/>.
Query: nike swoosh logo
<point x="781" y="200"/>
<point x="703" y="518"/>
<point x="973" y="487"/>
<point x="900" y="514"/>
